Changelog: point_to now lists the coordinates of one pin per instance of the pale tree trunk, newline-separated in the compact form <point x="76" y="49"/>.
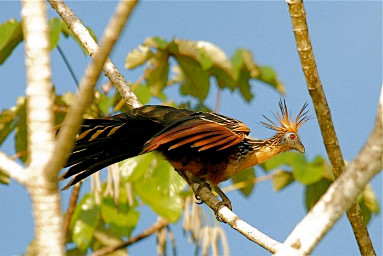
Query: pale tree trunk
<point x="44" y="192"/>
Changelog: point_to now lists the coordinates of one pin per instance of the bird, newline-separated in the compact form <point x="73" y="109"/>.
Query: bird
<point x="205" y="148"/>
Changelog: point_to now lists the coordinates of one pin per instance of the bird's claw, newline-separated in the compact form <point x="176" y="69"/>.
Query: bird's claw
<point x="219" y="205"/>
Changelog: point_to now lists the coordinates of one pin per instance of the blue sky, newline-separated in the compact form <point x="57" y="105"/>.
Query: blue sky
<point x="346" y="38"/>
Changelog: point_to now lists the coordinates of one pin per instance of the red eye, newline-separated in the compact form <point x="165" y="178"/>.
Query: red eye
<point x="292" y="136"/>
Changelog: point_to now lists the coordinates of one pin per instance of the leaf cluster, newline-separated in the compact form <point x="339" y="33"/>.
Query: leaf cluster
<point x="316" y="176"/>
<point x="196" y="63"/>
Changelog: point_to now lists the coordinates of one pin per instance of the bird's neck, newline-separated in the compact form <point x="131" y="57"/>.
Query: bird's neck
<point x="261" y="151"/>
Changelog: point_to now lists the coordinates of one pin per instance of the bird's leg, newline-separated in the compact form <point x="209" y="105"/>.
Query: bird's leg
<point x="202" y="191"/>
<point x="225" y="200"/>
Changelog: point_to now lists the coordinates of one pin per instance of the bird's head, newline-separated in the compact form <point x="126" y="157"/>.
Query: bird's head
<point x="287" y="129"/>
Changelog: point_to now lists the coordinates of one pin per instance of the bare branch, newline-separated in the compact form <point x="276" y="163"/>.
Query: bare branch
<point x="253" y="234"/>
<point x="73" y="119"/>
<point x="71" y="207"/>
<point x="13" y="169"/>
<point x="342" y="193"/>
<point x="314" y="85"/>
<point x="82" y="34"/>
<point x="160" y="224"/>
<point x="43" y="191"/>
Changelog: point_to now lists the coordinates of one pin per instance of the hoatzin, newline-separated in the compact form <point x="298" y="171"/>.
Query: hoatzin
<point x="204" y="148"/>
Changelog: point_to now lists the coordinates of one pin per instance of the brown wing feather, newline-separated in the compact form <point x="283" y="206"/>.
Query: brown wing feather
<point x="222" y="143"/>
<point x="202" y="133"/>
<point x="194" y="138"/>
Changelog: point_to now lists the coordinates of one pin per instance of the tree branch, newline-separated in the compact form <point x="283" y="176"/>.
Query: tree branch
<point x="253" y="234"/>
<point x="160" y="224"/>
<point x="43" y="191"/>
<point x="83" y="35"/>
<point x="314" y="85"/>
<point x="342" y="193"/>
<point x="71" y="207"/>
<point x="13" y="169"/>
<point x="73" y="119"/>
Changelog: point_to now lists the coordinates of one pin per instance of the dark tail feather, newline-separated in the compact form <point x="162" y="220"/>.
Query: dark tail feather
<point x="102" y="142"/>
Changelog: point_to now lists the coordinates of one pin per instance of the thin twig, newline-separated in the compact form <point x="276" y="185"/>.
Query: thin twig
<point x="314" y="85"/>
<point x="160" y="224"/>
<point x="67" y="64"/>
<point x="13" y="169"/>
<point x="218" y="100"/>
<point x="73" y="119"/>
<point x="83" y="35"/>
<point x="71" y="206"/>
<point x="342" y="193"/>
<point x="243" y="184"/>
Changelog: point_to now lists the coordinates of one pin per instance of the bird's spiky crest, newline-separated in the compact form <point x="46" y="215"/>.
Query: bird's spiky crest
<point x="284" y="118"/>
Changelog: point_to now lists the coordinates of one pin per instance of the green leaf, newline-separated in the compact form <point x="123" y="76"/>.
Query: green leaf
<point x="269" y="76"/>
<point x="211" y="59"/>
<point x="283" y="159"/>
<point x="105" y="103"/>
<point x="194" y="80"/>
<point x="370" y="199"/>
<point x="8" y="122"/>
<point x="133" y="169"/>
<point x="121" y="219"/>
<point x="55" y="30"/>
<point x="84" y="221"/>
<point x="242" y="60"/>
<point x="244" y="69"/>
<point x="169" y="181"/>
<point x="303" y="171"/>
<point x="138" y="56"/>
<point x="156" y="42"/>
<point x="314" y="191"/>
<point x="244" y="85"/>
<point x="245" y="176"/>
<point x="143" y="94"/>
<point x="205" y="61"/>
<point x="160" y="189"/>
<point x="282" y="179"/>
<point x="75" y="252"/>
<point x="368" y="203"/>
<point x="11" y="35"/>
<point x="4" y="178"/>
<point x="105" y="237"/>
<point x="157" y="75"/>
<point x="21" y="142"/>
<point x="309" y="173"/>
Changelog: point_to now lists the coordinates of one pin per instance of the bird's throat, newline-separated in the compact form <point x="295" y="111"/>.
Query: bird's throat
<point x="258" y="157"/>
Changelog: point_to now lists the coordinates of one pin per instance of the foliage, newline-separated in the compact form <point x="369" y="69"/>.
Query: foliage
<point x="197" y="62"/>
<point x="154" y="183"/>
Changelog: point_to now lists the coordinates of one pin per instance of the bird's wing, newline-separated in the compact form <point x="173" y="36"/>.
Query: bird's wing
<point x="203" y="131"/>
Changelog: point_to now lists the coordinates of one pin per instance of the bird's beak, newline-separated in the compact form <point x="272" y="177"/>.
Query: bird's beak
<point x="299" y="147"/>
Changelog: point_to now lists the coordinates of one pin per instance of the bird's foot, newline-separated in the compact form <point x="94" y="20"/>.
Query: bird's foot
<point x="219" y="205"/>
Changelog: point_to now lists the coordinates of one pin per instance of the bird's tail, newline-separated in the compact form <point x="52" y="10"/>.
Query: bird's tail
<point x="102" y="142"/>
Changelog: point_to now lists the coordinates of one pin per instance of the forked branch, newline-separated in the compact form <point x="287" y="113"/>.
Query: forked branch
<point x="298" y="17"/>
<point x="87" y="41"/>
<point x="13" y="169"/>
<point x="73" y="119"/>
<point x="342" y="193"/>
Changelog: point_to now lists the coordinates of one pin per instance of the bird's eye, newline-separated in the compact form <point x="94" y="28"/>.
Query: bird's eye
<point x="292" y="136"/>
